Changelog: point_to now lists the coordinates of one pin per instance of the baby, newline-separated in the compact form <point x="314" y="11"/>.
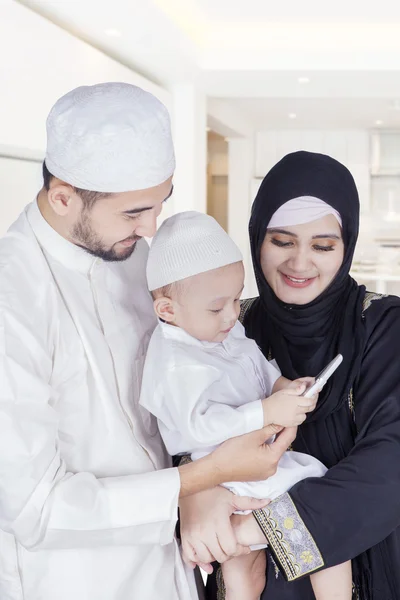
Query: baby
<point x="206" y="382"/>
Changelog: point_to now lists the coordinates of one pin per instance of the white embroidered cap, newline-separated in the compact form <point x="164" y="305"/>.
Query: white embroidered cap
<point x="187" y="244"/>
<point x="110" y="137"/>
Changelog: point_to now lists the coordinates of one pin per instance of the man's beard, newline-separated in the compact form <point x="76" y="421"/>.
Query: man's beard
<point x="85" y="237"/>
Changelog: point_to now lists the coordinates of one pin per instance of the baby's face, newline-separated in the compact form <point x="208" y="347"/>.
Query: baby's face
<point x="208" y="304"/>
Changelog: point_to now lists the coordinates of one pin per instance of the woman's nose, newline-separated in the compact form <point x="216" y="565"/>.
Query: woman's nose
<point x="300" y="261"/>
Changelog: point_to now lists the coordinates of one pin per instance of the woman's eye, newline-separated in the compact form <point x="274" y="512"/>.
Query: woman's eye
<point x="324" y="248"/>
<point x="281" y="244"/>
<point x="216" y="311"/>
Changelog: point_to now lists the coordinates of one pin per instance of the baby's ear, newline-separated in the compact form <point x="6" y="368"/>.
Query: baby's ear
<point x="164" y="308"/>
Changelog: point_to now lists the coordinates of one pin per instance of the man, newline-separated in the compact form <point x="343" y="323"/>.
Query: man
<point x="88" y="498"/>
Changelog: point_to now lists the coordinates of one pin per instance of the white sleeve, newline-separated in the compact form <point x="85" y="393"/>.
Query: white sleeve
<point x="41" y="504"/>
<point x="269" y="372"/>
<point x="194" y="401"/>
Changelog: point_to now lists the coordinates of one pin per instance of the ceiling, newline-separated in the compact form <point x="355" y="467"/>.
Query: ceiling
<point x="299" y="12"/>
<point x="251" y="54"/>
<point x="318" y="113"/>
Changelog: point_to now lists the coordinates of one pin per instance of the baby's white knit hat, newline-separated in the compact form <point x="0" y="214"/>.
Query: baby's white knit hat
<point x="187" y="244"/>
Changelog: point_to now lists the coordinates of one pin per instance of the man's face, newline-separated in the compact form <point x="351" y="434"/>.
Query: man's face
<point x="113" y="225"/>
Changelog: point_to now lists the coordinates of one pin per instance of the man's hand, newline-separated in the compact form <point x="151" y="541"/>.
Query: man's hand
<point x="287" y="407"/>
<point x="243" y="458"/>
<point x="206" y="530"/>
<point x="248" y="458"/>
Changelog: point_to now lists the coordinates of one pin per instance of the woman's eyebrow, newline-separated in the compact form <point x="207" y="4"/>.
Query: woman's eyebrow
<point x="333" y="236"/>
<point x="284" y="231"/>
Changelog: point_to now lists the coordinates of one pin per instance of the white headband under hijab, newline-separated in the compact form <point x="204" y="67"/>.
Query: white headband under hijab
<point x="303" y="209"/>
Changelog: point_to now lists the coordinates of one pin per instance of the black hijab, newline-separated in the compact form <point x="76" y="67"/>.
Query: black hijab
<point x="304" y="338"/>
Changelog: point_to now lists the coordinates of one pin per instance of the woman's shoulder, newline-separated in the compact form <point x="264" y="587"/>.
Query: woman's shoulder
<point x="375" y="304"/>
<point x="381" y="315"/>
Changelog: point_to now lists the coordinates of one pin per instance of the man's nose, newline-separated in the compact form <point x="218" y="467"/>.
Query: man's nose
<point x="148" y="225"/>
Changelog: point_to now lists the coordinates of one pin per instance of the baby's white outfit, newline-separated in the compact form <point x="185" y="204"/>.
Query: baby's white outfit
<point x="204" y="393"/>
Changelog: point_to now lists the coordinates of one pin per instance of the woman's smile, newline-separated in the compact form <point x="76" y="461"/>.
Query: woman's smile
<point x="297" y="282"/>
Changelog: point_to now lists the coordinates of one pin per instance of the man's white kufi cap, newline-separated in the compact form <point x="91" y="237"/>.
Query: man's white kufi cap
<point x="187" y="244"/>
<point x="110" y="137"/>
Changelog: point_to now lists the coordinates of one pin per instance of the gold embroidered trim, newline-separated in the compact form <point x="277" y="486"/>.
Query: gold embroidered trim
<point x="351" y="403"/>
<point x="368" y="300"/>
<point x="185" y="460"/>
<point x="221" y="591"/>
<point x="370" y="297"/>
<point x="276" y="568"/>
<point x="244" y="307"/>
<point x="292" y="544"/>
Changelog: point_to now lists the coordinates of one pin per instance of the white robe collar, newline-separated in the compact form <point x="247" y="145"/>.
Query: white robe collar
<point x="178" y="334"/>
<point x="67" y="253"/>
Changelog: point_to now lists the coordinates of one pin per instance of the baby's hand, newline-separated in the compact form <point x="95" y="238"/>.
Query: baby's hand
<point x="292" y="385"/>
<point x="287" y="407"/>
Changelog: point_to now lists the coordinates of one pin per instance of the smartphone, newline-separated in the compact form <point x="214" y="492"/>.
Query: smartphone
<point x="323" y="377"/>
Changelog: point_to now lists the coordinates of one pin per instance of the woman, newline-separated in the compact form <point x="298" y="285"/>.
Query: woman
<point x="308" y="311"/>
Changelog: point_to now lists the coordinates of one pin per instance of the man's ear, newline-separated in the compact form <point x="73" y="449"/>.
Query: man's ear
<point x="165" y="309"/>
<point x="62" y="198"/>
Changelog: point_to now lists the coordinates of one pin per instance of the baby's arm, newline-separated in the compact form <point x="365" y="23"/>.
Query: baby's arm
<point x="193" y="406"/>
<point x="280" y="384"/>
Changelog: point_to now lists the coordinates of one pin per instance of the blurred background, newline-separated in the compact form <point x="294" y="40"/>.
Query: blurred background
<point x="245" y="82"/>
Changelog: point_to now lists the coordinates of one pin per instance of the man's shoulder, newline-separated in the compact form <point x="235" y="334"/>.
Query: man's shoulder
<point x="22" y="266"/>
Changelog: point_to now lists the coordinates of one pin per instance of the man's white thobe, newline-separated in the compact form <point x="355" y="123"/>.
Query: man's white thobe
<point x="88" y="499"/>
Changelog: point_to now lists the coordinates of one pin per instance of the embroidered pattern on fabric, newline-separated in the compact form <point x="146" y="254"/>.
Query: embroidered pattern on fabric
<point x="276" y="568"/>
<point x="292" y="544"/>
<point x="244" y="307"/>
<point x="221" y="591"/>
<point x="351" y="405"/>
<point x="370" y="297"/>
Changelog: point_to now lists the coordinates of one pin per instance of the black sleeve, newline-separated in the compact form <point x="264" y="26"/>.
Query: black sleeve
<point x="326" y="521"/>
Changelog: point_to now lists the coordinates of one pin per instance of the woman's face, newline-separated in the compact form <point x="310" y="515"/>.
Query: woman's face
<point x="300" y="261"/>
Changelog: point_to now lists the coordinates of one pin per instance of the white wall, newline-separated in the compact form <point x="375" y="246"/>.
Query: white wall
<point x="41" y="62"/>
<point x="20" y="181"/>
